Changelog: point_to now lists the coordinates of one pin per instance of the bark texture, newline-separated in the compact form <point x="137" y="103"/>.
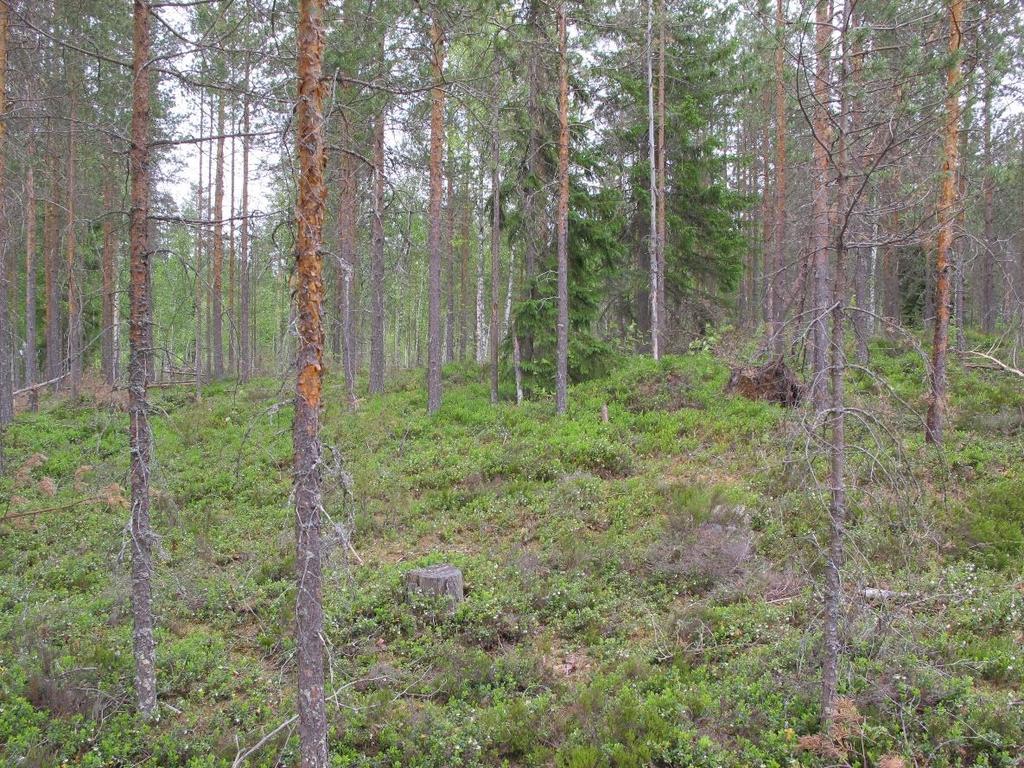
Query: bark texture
<point x="309" y="291"/>
<point x="139" y="434"/>
<point x="845" y="203"/>
<point x="945" y="214"/>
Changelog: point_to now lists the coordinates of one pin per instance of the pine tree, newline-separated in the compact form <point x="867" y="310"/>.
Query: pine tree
<point x="309" y="292"/>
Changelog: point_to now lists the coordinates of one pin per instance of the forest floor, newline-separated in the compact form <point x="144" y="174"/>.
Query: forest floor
<point x="639" y="592"/>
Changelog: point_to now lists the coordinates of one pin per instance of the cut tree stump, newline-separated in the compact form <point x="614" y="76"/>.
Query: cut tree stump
<point x="444" y="580"/>
<point x="773" y="382"/>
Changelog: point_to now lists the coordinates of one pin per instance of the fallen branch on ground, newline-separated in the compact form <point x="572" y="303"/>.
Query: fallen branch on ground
<point x="69" y="505"/>
<point x="40" y="385"/>
<point x="997" y="363"/>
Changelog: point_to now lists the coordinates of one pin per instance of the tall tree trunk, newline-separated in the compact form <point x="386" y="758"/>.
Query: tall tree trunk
<point x="562" y="346"/>
<point x="31" y="346"/>
<point x="862" y="272"/>
<point x="75" y="339"/>
<point x="465" y="236"/>
<point x="653" y="186"/>
<point x="820" y="225"/>
<point x="765" y="213"/>
<point x="199" y="245"/>
<point x="989" y="304"/>
<point x="837" y="503"/>
<point x="890" y="263"/>
<point x="309" y="615"/>
<point x="232" y="271"/>
<point x="377" y="261"/>
<point x="535" y="210"/>
<point x="150" y="356"/>
<point x="437" y="93"/>
<point x="6" y="356"/>
<point x="244" y="267"/>
<point x="661" y="179"/>
<point x="208" y="249"/>
<point x="139" y="435"/>
<point x="449" y="259"/>
<point x="338" y="289"/>
<point x="945" y="215"/>
<point x="837" y="414"/>
<point x="216" y="306"/>
<point x="481" y="339"/>
<point x="509" y="288"/>
<point x="495" y="226"/>
<point x="778" y="264"/>
<point x="51" y="224"/>
<point x="958" y="245"/>
<point x="347" y="223"/>
<point x="109" y="282"/>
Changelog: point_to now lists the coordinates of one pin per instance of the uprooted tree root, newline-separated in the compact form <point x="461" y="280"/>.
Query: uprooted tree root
<point x="773" y="382"/>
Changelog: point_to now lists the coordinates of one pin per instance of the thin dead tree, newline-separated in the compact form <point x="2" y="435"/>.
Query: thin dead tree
<point x="837" y="414"/>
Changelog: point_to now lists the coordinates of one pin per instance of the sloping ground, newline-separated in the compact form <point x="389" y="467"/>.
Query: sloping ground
<point x="639" y="592"/>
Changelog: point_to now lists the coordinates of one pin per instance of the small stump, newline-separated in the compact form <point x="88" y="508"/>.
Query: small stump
<point x="443" y="580"/>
